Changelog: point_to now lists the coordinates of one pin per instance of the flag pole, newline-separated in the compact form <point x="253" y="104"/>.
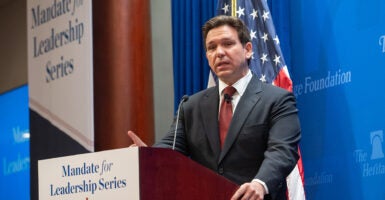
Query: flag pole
<point x="233" y="8"/>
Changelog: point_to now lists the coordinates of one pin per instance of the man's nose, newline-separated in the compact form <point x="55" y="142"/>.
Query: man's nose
<point x="220" y="52"/>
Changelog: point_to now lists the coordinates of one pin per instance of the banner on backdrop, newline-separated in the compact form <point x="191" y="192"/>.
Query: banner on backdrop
<point x="60" y="66"/>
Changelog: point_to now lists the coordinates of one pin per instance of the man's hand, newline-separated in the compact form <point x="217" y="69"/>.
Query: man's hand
<point x="136" y="140"/>
<point x="250" y="191"/>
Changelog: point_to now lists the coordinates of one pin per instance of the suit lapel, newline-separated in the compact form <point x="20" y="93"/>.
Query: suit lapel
<point x="209" y="114"/>
<point x="245" y="105"/>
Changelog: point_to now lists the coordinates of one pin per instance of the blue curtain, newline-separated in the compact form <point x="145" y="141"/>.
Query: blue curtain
<point x="190" y="64"/>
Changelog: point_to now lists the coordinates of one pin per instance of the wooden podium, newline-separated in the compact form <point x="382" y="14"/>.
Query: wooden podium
<point x="130" y="173"/>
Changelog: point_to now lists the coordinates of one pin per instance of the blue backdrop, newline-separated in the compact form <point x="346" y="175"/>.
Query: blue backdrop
<point x="190" y="65"/>
<point x="14" y="144"/>
<point x="335" y="52"/>
<point x="337" y="68"/>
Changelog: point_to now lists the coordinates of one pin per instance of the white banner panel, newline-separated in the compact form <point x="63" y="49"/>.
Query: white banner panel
<point x="60" y="65"/>
<point x="112" y="174"/>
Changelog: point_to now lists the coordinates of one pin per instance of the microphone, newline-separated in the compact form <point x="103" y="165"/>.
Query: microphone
<point x="228" y="98"/>
<point x="184" y="98"/>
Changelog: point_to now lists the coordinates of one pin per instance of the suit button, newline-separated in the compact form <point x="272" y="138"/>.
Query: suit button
<point x="220" y="170"/>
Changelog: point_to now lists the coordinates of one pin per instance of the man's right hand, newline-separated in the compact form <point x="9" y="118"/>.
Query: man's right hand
<point x="136" y="140"/>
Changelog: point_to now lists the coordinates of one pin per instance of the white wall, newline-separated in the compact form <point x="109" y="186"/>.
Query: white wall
<point x="162" y="65"/>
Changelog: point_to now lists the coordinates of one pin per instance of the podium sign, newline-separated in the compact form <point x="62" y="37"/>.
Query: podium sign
<point x="111" y="174"/>
<point x="130" y="173"/>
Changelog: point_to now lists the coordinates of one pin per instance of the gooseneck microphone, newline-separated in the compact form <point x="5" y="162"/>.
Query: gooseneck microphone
<point x="184" y="98"/>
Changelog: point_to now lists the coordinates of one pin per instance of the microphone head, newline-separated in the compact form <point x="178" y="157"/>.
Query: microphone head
<point x="228" y="98"/>
<point x="185" y="98"/>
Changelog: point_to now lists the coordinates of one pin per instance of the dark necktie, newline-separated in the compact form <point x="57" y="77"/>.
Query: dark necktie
<point x="226" y="113"/>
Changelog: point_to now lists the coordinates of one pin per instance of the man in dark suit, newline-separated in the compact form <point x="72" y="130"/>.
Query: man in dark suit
<point x="259" y="148"/>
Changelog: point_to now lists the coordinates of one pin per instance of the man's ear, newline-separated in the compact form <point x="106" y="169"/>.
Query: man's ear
<point x="249" y="50"/>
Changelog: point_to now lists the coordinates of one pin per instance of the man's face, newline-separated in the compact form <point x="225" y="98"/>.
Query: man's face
<point x="226" y="55"/>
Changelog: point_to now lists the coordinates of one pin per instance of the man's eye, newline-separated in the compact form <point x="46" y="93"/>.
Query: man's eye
<point x="228" y="43"/>
<point x="210" y="47"/>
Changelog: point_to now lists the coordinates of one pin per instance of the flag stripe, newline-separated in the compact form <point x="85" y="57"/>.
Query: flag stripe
<point x="283" y="80"/>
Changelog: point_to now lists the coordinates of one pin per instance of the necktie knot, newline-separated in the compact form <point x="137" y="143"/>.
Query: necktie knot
<point x="228" y="93"/>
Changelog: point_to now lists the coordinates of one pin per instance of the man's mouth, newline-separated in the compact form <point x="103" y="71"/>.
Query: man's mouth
<point x="221" y="63"/>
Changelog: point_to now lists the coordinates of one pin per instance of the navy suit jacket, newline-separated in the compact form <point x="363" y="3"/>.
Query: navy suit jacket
<point x="261" y="142"/>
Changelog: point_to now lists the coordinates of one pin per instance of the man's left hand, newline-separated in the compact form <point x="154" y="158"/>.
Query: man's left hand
<point x="250" y="191"/>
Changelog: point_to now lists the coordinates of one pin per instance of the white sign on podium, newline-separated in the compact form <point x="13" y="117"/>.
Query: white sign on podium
<point x="111" y="174"/>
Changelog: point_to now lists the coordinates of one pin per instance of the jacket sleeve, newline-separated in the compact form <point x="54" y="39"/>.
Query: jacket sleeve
<point x="281" y="154"/>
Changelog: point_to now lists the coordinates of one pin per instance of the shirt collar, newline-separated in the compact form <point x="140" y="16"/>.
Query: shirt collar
<point x="240" y="85"/>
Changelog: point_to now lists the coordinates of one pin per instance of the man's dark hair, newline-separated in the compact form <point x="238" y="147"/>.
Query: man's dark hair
<point x="236" y="23"/>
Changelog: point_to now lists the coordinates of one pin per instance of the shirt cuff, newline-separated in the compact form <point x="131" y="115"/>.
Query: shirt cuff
<point x="263" y="184"/>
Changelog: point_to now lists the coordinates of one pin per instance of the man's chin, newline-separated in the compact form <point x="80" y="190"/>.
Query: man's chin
<point x="225" y="76"/>
<point x="224" y="73"/>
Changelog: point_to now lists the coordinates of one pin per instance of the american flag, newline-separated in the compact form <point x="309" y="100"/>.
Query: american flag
<point x="267" y="62"/>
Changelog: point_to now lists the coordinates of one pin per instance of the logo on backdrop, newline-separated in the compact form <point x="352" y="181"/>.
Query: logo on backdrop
<point x="65" y="28"/>
<point x="11" y="164"/>
<point x="319" y="178"/>
<point x="20" y="135"/>
<point x="377" y="139"/>
<point x="317" y="84"/>
<point x="372" y="161"/>
<point x="381" y="42"/>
